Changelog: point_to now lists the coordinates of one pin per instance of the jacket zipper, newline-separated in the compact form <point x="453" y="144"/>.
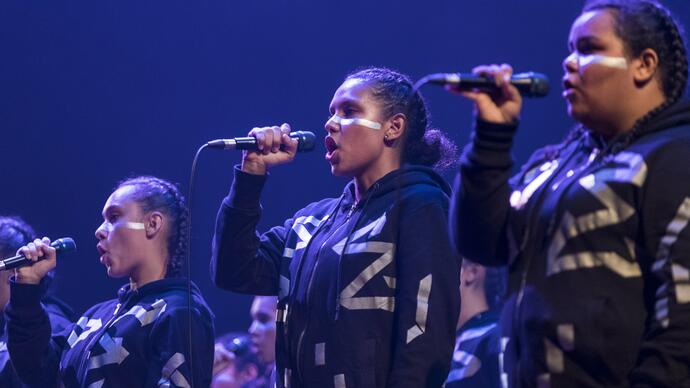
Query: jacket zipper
<point x="517" y="313"/>
<point x="310" y="283"/>
<point x="87" y="354"/>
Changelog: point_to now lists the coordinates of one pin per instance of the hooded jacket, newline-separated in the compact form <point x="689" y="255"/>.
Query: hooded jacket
<point x="598" y="250"/>
<point x="368" y="290"/>
<point x="140" y="339"/>
<point x="60" y="315"/>
<point x="475" y="357"/>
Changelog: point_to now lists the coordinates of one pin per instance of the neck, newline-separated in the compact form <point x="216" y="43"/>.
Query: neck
<point x="471" y="306"/>
<point x="628" y="117"/>
<point x="373" y="173"/>
<point x="145" y="275"/>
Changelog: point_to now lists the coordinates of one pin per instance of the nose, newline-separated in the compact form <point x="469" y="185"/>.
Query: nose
<point x="101" y="232"/>
<point x="570" y="63"/>
<point x="331" y="125"/>
<point x="252" y="328"/>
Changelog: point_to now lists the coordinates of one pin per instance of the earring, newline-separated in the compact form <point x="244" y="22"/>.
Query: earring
<point x="385" y="137"/>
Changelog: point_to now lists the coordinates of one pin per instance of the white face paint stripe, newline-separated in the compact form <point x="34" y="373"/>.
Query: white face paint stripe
<point x="134" y="225"/>
<point x="605" y="60"/>
<point x="357" y="121"/>
<point x="598" y="59"/>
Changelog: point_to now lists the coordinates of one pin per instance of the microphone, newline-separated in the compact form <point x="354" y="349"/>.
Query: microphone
<point x="305" y="141"/>
<point x="529" y="84"/>
<point x="61" y="245"/>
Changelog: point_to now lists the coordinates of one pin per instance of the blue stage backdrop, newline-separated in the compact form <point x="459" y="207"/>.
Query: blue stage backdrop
<point x="92" y="92"/>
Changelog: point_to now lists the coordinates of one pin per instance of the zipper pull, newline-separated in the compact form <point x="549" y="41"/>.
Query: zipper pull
<point x="352" y="210"/>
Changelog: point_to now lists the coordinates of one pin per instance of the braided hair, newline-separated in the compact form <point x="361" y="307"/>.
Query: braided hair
<point x="646" y="24"/>
<point x="155" y="194"/>
<point x="394" y="91"/>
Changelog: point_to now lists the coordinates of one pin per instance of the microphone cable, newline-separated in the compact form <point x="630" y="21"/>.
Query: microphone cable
<point x="189" y="260"/>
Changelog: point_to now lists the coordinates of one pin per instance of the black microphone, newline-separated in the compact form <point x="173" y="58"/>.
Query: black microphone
<point x="305" y="141"/>
<point x="61" y="245"/>
<point x="529" y="84"/>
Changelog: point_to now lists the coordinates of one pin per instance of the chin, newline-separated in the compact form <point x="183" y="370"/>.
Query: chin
<point x="337" y="170"/>
<point x="575" y="114"/>
<point x="115" y="274"/>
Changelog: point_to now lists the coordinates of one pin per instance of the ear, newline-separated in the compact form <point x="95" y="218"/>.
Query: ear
<point x="153" y="224"/>
<point x="395" y="127"/>
<point x="470" y="273"/>
<point x="645" y="66"/>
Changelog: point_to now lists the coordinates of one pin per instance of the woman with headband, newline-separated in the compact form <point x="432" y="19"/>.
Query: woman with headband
<point x="368" y="282"/>
<point x="595" y="229"/>
<point x="140" y="339"/>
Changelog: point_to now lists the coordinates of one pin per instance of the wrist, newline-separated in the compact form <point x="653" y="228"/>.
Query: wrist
<point x="26" y="278"/>
<point x="254" y="168"/>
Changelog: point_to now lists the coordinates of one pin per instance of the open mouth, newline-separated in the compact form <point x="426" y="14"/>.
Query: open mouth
<point x="331" y="145"/>
<point x="567" y="84"/>
<point x="568" y="88"/>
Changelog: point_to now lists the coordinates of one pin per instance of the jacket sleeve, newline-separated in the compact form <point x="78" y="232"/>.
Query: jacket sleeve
<point x="664" y="357"/>
<point x="170" y="366"/>
<point x="35" y="356"/>
<point x="242" y="260"/>
<point x="480" y="206"/>
<point x="427" y="299"/>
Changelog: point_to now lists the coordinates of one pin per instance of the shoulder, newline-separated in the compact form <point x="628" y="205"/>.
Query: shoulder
<point x="321" y="207"/>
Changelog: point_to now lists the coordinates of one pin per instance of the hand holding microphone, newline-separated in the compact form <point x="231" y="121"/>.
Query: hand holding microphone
<point x="36" y="259"/>
<point x="501" y="106"/>
<point x="274" y="146"/>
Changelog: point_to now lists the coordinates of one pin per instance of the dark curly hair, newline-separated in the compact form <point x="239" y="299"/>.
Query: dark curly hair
<point x="14" y="234"/>
<point x="394" y="91"/>
<point x="155" y="194"/>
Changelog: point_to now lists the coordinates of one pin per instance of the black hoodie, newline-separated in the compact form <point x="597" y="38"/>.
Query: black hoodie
<point x="140" y="339"/>
<point x="60" y="316"/>
<point x="368" y="291"/>
<point x="599" y="253"/>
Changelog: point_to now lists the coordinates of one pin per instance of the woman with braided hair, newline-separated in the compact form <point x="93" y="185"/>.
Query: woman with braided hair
<point x="139" y="339"/>
<point x="594" y="230"/>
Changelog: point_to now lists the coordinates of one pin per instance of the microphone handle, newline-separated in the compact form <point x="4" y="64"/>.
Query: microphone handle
<point x="61" y="245"/>
<point x="306" y="142"/>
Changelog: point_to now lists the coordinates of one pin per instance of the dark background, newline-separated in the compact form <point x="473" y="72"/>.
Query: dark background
<point x="94" y="91"/>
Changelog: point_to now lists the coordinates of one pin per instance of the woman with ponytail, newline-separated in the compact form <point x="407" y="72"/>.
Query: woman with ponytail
<point x="595" y="230"/>
<point x="367" y="283"/>
<point x="140" y="339"/>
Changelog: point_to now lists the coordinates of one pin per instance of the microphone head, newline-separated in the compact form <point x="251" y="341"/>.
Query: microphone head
<point x="306" y="140"/>
<point x="64" y="245"/>
<point x="538" y="84"/>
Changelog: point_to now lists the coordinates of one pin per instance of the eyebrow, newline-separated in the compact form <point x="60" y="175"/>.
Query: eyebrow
<point x="110" y="209"/>
<point x="344" y="102"/>
<point x="587" y="38"/>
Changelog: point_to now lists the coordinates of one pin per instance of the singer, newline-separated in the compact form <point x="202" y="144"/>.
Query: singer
<point x="139" y="339"/>
<point x="14" y="233"/>
<point x="368" y="282"/>
<point x="595" y="229"/>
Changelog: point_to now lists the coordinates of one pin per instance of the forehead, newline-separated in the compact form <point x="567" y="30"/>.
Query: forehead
<point x="120" y="198"/>
<point x="598" y="22"/>
<point x="354" y="90"/>
<point x="263" y="304"/>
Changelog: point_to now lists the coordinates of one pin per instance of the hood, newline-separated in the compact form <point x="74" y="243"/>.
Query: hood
<point x="675" y="115"/>
<point x="400" y="179"/>
<point x="156" y="287"/>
